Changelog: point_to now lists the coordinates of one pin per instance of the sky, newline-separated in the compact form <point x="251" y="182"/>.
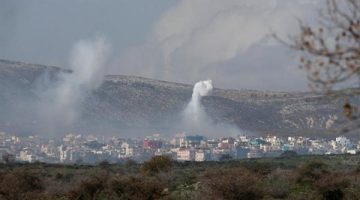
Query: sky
<point x="227" y="41"/>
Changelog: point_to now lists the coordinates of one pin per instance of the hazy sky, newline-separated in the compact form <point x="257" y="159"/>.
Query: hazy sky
<point x="184" y="41"/>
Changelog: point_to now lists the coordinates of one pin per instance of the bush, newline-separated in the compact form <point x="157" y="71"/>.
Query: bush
<point x="137" y="188"/>
<point x="311" y="172"/>
<point x="157" y="164"/>
<point x="278" y="184"/>
<point x="20" y="184"/>
<point x="332" y="186"/>
<point x="64" y="177"/>
<point x="88" y="189"/>
<point x="258" y="167"/>
<point x="235" y="183"/>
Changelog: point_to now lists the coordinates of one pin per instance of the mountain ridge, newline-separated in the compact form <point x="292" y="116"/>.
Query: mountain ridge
<point x="135" y="103"/>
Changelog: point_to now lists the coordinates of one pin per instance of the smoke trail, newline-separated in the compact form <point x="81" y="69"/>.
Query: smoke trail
<point x="195" y="116"/>
<point x="195" y="119"/>
<point x="60" y="103"/>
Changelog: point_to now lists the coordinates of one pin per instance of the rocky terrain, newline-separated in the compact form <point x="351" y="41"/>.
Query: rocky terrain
<point x="133" y="104"/>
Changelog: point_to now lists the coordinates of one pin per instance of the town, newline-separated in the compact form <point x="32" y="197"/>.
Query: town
<point x="80" y="149"/>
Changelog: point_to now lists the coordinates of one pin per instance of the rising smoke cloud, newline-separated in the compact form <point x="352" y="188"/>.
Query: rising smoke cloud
<point x="195" y="119"/>
<point x="195" y="116"/>
<point x="60" y="103"/>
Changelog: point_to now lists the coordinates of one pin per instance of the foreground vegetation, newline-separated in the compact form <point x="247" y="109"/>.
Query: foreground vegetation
<point x="303" y="177"/>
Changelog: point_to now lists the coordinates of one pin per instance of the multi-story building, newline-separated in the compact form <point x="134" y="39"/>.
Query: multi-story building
<point x="27" y="156"/>
<point x="152" y="144"/>
<point x="186" y="154"/>
<point x="202" y="155"/>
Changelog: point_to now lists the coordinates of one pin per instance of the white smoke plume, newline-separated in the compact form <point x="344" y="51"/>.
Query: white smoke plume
<point x="60" y="103"/>
<point x="195" y="119"/>
<point x="194" y="110"/>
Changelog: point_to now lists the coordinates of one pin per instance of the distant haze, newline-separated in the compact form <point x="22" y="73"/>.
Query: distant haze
<point x="183" y="41"/>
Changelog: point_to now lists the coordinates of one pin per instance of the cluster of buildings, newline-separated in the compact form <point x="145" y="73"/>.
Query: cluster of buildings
<point x="73" y="148"/>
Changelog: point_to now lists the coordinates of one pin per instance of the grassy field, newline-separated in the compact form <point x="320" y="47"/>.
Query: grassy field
<point x="301" y="177"/>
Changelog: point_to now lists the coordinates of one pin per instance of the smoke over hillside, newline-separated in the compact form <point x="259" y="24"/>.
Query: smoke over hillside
<point x="133" y="106"/>
<point x="60" y="103"/>
<point x="58" y="97"/>
<point x="195" y="118"/>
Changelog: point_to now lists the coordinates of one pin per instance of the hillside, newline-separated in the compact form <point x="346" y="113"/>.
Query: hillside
<point x="127" y="104"/>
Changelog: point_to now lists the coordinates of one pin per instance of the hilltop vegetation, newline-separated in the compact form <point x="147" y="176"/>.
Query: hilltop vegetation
<point x="309" y="177"/>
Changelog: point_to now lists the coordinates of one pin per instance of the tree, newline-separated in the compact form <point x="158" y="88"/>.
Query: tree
<point x="330" y="53"/>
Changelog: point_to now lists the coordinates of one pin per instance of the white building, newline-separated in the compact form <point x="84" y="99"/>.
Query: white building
<point x="64" y="153"/>
<point x="343" y="141"/>
<point x="27" y="156"/>
<point x="202" y="155"/>
<point x="127" y="150"/>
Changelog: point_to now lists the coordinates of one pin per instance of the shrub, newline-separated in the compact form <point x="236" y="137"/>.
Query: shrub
<point x="311" y="172"/>
<point x="88" y="189"/>
<point x="64" y="177"/>
<point x="20" y="184"/>
<point x="137" y="188"/>
<point x="332" y="186"/>
<point x="336" y="194"/>
<point x="258" y="167"/>
<point x="183" y="178"/>
<point x="234" y="183"/>
<point x="278" y="184"/>
<point x="157" y="164"/>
